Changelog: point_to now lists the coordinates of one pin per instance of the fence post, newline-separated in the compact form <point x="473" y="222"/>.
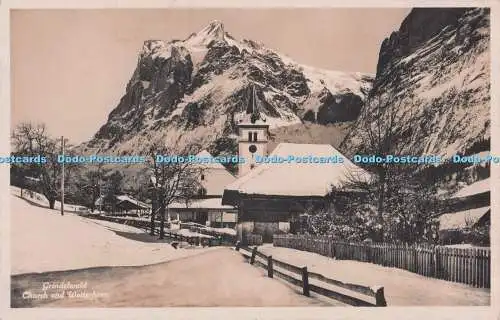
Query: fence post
<point x="380" y="298"/>
<point x="435" y="261"/>
<point x="270" y="266"/>
<point x="331" y="247"/>
<point x="254" y="252"/>
<point x="305" y="282"/>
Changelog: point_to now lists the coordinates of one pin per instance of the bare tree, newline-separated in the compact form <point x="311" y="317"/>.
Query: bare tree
<point x="93" y="181"/>
<point x="172" y="181"/>
<point x="114" y="184"/>
<point x="33" y="140"/>
<point x="398" y="201"/>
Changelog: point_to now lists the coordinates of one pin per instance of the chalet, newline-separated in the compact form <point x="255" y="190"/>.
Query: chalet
<point x="123" y="205"/>
<point x="207" y="208"/>
<point x="469" y="208"/>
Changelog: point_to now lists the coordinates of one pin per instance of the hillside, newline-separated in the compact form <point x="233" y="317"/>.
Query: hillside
<point x="434" y="75"/>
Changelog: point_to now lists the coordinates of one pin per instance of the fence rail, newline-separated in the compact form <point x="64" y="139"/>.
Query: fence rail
<point x="252" y="239"/>
<point x="225" y="238"/>
<point x="145" y="224"/>
<point x="463" y="265"/>
<point x="273" y="267"/>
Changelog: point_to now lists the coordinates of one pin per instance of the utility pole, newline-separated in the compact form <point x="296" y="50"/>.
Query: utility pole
<point x="62" y="178"/>
<point x="137" y="195"/>
<point x="100" y="196"/>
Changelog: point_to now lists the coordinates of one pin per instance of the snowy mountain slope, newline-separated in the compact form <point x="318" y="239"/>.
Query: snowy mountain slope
<point x="437" y="70"/>
<point x="332" y="134"/>
<point x="195" y="88"/>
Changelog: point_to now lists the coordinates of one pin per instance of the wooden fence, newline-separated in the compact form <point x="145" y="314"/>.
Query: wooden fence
<point x="224" y="237"/>
<point x="252" y="239"/>
<point x="463" y="265"/>
<point x="146" y="225"/>
<point x="289" y="273"/>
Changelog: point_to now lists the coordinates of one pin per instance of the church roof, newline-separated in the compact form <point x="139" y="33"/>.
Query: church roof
<point x="253" y="115"/>
<point x="215" y="175"/>
<point x="296" y="179"/>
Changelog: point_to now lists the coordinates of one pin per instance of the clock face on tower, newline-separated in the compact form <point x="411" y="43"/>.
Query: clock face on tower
<point x="252" y="149"/>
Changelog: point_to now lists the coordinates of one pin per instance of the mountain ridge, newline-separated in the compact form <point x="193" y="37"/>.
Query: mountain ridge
<point x="184" y="90"/>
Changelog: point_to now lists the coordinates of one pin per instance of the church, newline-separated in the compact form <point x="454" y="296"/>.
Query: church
<point x="269" y="196"/>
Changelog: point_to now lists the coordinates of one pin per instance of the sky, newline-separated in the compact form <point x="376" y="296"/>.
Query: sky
<point x="69" y="68"/>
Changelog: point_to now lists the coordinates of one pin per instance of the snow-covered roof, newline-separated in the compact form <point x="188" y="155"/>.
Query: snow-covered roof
<point x="122" y="198"/>
<point x="210" y="203"/>
<point x="99" y="201"/>
<point x="298" y="179"/>
<point x="462" y="219"/>
<point x="478" y="187"/>
<point x="132" y="200"/>
<point x="215" y="175"/>
<point x="208" y="161"/>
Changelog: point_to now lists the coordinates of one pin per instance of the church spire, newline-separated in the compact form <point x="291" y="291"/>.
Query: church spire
<point x="255" y="111"/>
<point x="253" y="107"/>
<point x="252" y="113"/>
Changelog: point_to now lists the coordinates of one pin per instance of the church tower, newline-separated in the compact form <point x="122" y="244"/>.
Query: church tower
<point x="253" y="136"/>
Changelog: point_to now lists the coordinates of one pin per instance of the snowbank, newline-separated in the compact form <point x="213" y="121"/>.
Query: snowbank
<point x="402" y="288"/>
<point x="41" y="200"/>
<point x="43" y="240"/>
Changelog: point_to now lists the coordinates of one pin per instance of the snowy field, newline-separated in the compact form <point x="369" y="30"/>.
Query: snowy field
<point x="43" y="240"/>
<point x="402" y="288"/>
<point x="39" y="199"/>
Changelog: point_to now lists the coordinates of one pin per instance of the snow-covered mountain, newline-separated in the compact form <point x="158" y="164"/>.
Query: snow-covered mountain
<point x="195" y="88"/>
<point x="436" y="70"/>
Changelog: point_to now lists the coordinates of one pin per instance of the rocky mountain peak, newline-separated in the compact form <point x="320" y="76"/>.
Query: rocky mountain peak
<point x="151" y="47"/>
<point x="214" y="31"/>
<point x="214" y="27"/>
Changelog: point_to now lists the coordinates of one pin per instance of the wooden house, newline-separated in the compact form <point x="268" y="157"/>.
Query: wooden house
<point x="466" y="210"/>
<point x="271" y="195"/>
<point x="207" y="208"/>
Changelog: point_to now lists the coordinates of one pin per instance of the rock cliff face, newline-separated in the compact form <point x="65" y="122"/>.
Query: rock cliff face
<point x="436" y="70"/>
<point x="195" y="88"/>
<point x="418" y="27"/>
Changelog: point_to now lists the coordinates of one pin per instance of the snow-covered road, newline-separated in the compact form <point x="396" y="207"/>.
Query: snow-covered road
<point x="216" y="278"/>
<point x="43" y="240"/>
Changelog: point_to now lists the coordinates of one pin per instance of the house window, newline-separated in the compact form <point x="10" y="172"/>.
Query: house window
<point x="202" y="177"/>
<point x="249" y="136"/>
<point x="255" y="136"/>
